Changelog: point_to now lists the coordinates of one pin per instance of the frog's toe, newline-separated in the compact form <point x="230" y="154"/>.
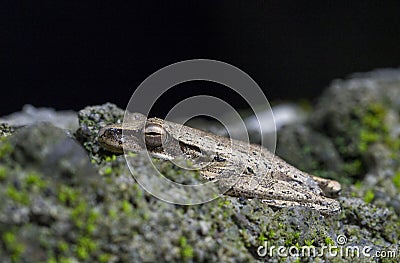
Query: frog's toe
<point x="330" y="188"/>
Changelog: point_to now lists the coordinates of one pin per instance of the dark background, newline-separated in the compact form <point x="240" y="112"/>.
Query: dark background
<point x="71" y="54"/>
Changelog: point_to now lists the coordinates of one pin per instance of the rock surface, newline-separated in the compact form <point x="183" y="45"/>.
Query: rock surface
<point x="64" y="199"/>
<point x="31" y="115"/>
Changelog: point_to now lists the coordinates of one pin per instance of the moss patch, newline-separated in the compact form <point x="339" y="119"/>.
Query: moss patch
<point x="369" y="196"/>
<point x="396" y="180"/>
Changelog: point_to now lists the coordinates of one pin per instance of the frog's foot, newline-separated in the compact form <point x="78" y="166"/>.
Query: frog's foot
<point x="328" y="209"/>
<point x="330" y="188"/>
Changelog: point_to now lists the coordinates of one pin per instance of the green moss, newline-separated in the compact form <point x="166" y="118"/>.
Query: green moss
<point x="369" y="196"/>
<point x="341" y="144"/>
<point x="226" y="214"/>
<point x="138" y="191"/>
<point x="67" y="195"/>
<point x="104" y="258"/>
<point x="63" y="246"/>
<point x="86" y="246"/>
<point x="13" y="247"/>
<point x="126" y="207"/>
<point x="111" y="158"/>
<point x="366" y="127"/>
<point x="18" y="196"/>
<point x="109" y="180"/>
<point x="87" y="243"/>
<point x="86" y="220"/>
<point x="358" y="185"/>
<point x="396" y="180"/>
<point x="113" y="213"/>
<point x="309" y="243"/>
<point x="90" y="228"/>
<point x="222" y="202"/>
<point x="329" y="241"/>
<point x="33" y="179"/>
<point x="374" y="127"/>
<point x="262" y="238"/>
<point x="78" y="214"/>
<point x="292" y="240"/>
<point x="108" y="170"/>
<point x="93" y="215"/>
<point x="5" y="147"/>
<point x="67" y="260"/>
<point x="91" y="223"/>
<point x="393" y="144"/>
<point x="132" y="154"/>
<point x="271" y="234"/>
<point x="9" y="238"/>
<point x="372" y="122"/>
<point x="3" y="172"/>
<point x="186" y="250"/>
<point x="367" y="137"/>
<point x="353" y="168"/>
<point x="82" y="253"/>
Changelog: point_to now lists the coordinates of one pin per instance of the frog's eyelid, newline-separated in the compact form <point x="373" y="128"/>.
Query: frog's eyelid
<point x="155" y="135"/>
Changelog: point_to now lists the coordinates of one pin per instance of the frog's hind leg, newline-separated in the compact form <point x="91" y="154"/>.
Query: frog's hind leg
<point x="285" y="195"/>
<point x="281" y="194"/>
<point x="330" y="209"/>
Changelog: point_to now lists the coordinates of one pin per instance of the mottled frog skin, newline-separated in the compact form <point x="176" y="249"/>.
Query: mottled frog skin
<point x="256" y="172"/>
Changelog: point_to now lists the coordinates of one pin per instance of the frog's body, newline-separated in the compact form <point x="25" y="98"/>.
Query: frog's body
<point x="256" y="171"/>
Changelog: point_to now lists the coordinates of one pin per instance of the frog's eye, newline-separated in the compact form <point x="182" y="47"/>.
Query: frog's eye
<point x="154" y="135"/>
